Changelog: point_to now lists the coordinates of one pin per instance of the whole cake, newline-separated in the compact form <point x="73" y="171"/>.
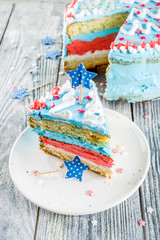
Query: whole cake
<point x="90" y="31"/>
<point x="72" y="124"/>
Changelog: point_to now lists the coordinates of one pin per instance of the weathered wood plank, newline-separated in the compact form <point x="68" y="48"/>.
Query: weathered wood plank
<point x="117" y="223"/>
<point x="29" y="23"/>
<point x="5" y="13"/>
<point x="150" y="191"/>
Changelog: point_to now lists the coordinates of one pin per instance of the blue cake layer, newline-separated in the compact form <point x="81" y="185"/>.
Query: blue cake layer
<point x="69" y="140"/>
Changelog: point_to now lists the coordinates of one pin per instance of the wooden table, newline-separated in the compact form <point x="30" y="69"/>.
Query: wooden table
<point x="22" y="27"/>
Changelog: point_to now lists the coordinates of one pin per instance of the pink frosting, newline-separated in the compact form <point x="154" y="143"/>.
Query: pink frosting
<point x="88" y="154"/>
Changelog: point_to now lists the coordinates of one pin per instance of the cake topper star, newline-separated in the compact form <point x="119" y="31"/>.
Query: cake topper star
<point x="81" y="77"/>
<point x="47" y="41"/>
<point x="75" y="168"/>
<point x="142" y="223"/>
<point x="52" y="55"/>
<point x="20" y="93"/>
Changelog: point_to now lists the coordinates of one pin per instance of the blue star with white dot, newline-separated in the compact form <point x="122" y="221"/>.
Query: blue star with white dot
<point x="75" y="168"/>
<point x="48" y="41"/>
<point x="81" y="76"/>
<point x="20" y="93"/>
<point x="52" y="55"/>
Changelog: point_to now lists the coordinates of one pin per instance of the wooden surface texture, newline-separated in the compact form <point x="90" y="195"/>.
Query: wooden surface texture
<point x="22" y="27"/>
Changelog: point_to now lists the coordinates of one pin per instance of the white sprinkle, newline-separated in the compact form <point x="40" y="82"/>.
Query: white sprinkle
<point x="149" y="209"/>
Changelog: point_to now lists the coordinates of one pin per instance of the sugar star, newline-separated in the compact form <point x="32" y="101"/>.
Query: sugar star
<point x="52" y="55"/>
<point x="75" y="168"/>
<point x="20" y="93"/>
<point x="94" y="222"/>
<point x="81" y="76"/>
<point x="47" y="41"/>
<point x="142" y="223"/>
<point x="149" y="209"/>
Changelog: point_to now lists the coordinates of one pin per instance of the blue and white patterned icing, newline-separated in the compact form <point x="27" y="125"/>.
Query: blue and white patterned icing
<point x="76" y="117"/>
<point x="105" y="150"/>
<point x="85" y="10"/>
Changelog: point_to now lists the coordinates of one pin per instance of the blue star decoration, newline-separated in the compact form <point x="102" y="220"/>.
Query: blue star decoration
<point x="20" y="93"/>
<point x="75" y="168"/>
<point x="48" y="41"/>
<point x="81" y="77"/>
<point x="52" y="55"/>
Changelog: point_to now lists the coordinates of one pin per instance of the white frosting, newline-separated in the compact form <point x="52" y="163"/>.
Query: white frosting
<point x="93" y="107"/>
<point x="140" y="49"/>
<point x="100" y="127"/>
<point x="137" y="25"/>
<point x="83" y="13"/>
<point x="97" y="11"/>
<point x="157" y="47"/>
<point x="66" y="114"/>
<point x="123" y="49"/>
<point x="143" y="13"/>
<point x="132" y="50"/>
<point x="103" y="53"/>
<point x="66" y="87"/>
<point x="30" y="111"/>
<point x="67" y="95"/>
<point x="138" y="1"/>
<point x="42" y="99"/>
<point x="115" y="49"/>
<point x="48" y="95"/>
<point x="148" y="47"/>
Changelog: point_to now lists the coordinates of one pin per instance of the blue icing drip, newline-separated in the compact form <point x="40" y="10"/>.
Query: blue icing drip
<point x="106" y="150"/>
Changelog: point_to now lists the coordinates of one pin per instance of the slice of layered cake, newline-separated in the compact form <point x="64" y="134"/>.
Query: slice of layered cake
<point x="70" y="122"/>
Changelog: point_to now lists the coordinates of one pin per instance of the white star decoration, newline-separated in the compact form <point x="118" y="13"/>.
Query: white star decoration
<point x="149" y="209"/>
<point x="94" y="222"/>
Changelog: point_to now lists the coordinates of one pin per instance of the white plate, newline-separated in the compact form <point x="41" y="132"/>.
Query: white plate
<point x="68" y="196"/>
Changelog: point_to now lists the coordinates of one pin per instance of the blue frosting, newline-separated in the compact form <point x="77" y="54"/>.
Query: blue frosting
<point x="105" y="150"/>
<point x="140" y="85"/>
<point x="77" y="117"/>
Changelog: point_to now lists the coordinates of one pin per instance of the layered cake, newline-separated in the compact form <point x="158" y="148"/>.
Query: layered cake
<point x="69" y="128"/>
<point x="90" y="34"/>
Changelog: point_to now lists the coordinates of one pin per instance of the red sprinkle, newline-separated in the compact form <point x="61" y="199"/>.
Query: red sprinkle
<point x="53" y="105"/>
<point x="125" y="22"/>
<point x="143" y="5"/>
<point x="157" y="19"/>
<point x="158" y="35"/>
<point x="143" y="37"/>
<point x="121" y="39"/>
<point x="37" y="105"/>
<point x="55" y="91"/>
<point x="81" y="110"/>
<point x="112" y="45"/>
<point x="152" y="44"/>
<point x="145" y="20"/>
<point x="149" y="8"/>
<point x="143" y="44"/>
<point x="158" y="25"/>
<point x="127" y="6"/>
<point x="88" y="98"/>
<point x="90" y="193"/>
<point x="139" y="31"/>
<point x="56" y="97"/>
<point x="35" y="172"/>
<point x="120" y="170"/>
<point x="158" y="4"/>
<point x="138" y="12"/>
<point x="77" y="98"/>
<point x="134" y="46"/>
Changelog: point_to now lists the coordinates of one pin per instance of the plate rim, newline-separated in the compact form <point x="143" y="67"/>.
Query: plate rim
<point x="104" y="207"/>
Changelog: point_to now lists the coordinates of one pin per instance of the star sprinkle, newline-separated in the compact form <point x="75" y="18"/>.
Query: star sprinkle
<point x="20" y="93"/>
<point x="81" y="77"/>
<point x="94" y="222"/>
<point x="141" y="223"/>
<point x="52" y="55"/>
<point x="146" y="116"/>
<point x="90" y="193"/>
<point x="149" y="210"/>
<point x="120" y="170"/>
<point x="75" y="168"/>
<point x="47" y="41"/>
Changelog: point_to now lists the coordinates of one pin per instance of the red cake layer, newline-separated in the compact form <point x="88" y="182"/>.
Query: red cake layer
<point x="88" y="154"/>
<point x="78" y="47"/>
